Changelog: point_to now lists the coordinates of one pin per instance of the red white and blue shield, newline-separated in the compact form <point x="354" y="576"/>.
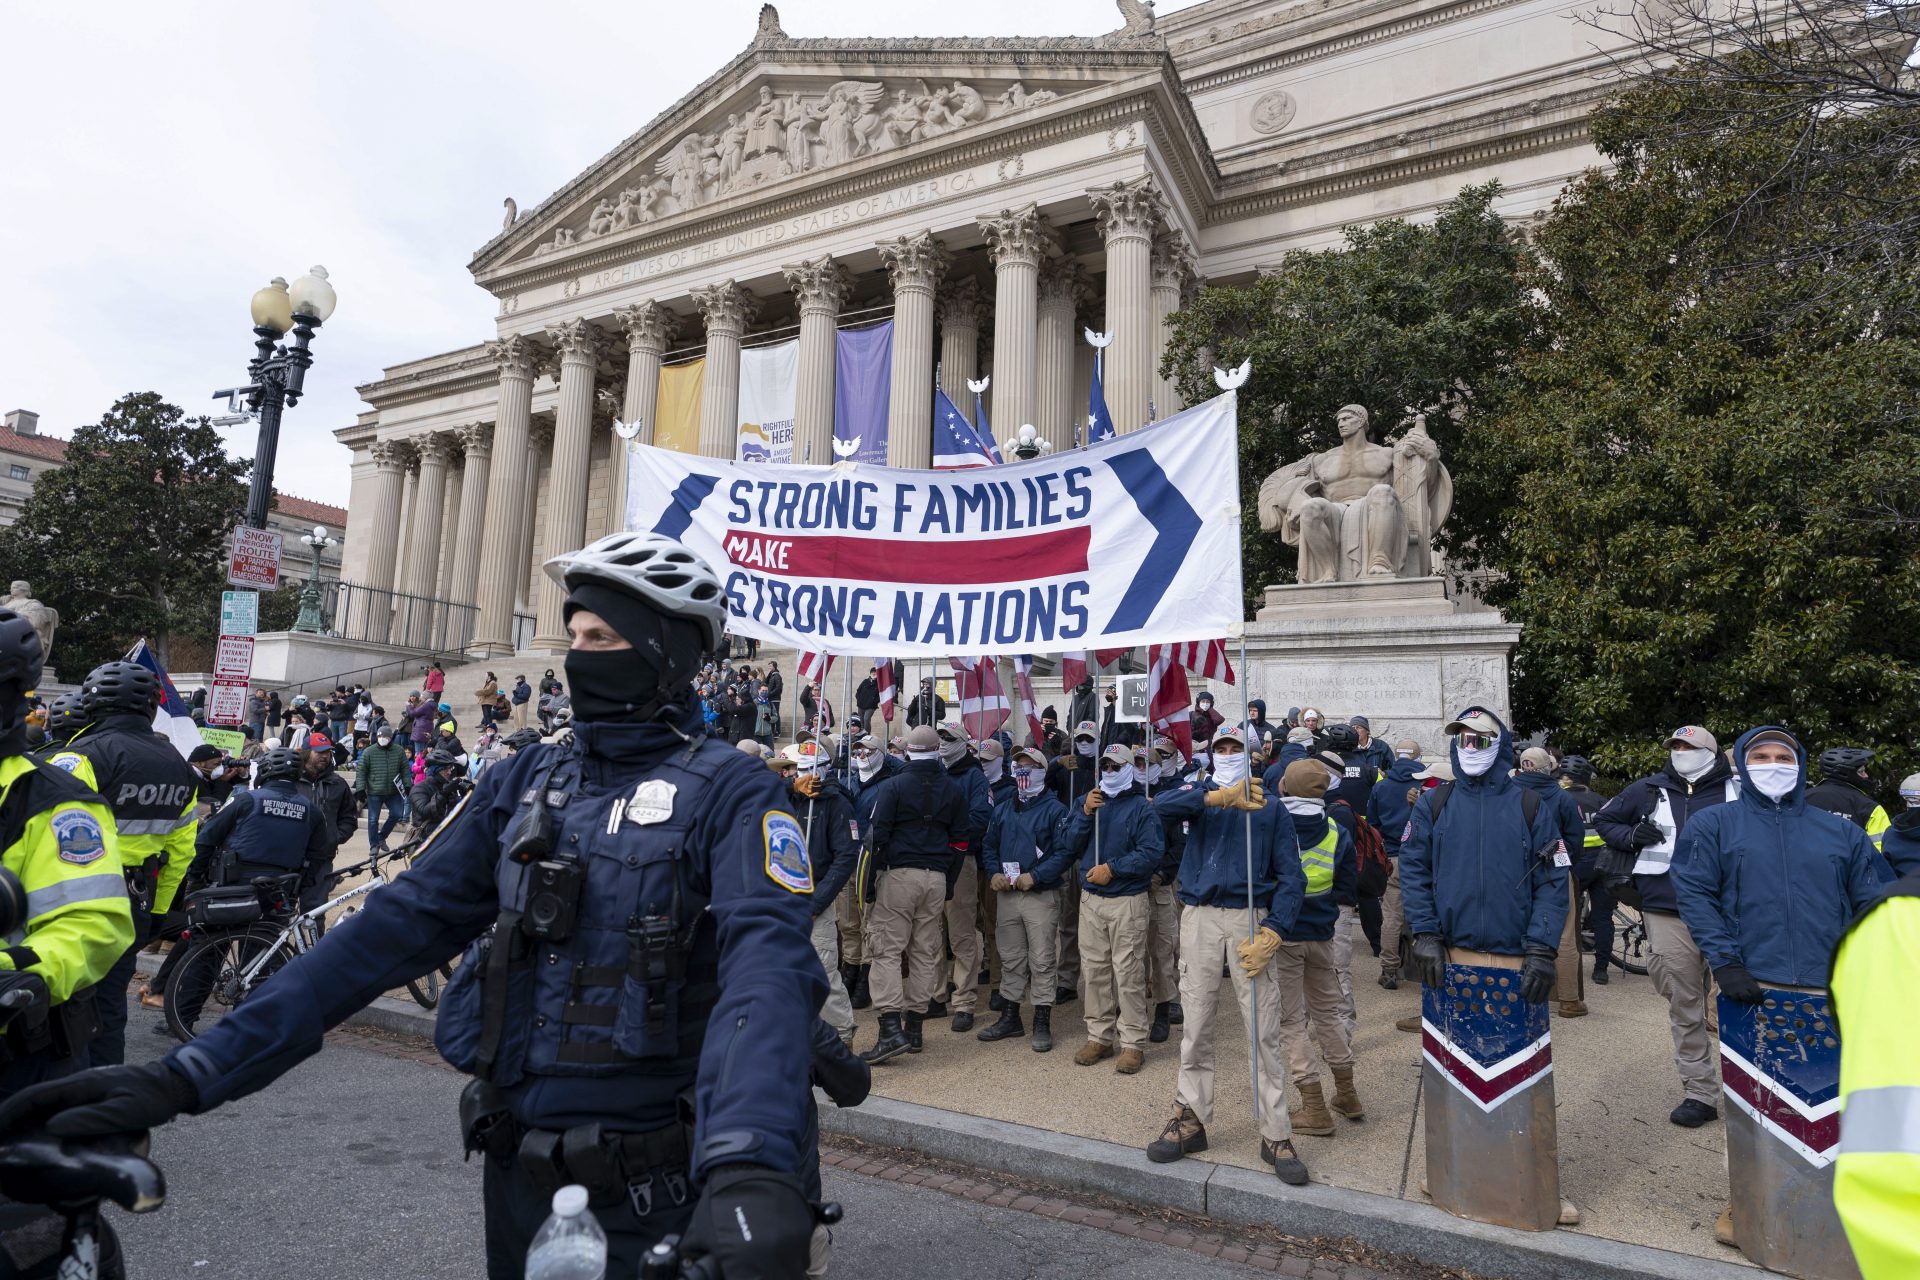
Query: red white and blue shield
<point x="1481" y="1037"/>
<point x="1780" y="1064"/>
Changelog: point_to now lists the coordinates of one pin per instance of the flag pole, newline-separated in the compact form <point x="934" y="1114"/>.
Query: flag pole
<point x="1253" y="921"/>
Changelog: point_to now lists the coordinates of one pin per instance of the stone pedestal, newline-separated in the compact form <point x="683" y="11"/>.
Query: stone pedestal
<point x="1393" y="651"/>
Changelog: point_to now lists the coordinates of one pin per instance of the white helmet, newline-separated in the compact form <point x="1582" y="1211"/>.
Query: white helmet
<point x="658" y="570"/>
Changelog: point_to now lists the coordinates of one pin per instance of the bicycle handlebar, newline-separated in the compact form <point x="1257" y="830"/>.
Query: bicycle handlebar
<point x="39" y="1168"/>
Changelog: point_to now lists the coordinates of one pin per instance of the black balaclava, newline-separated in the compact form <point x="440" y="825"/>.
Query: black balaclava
<point x="630" y="685"/>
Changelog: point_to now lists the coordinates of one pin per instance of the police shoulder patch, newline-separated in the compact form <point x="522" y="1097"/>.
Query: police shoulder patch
<point x="78" y="836"/>
<point x="68" y="760"/>
<point x="787" y="864"/>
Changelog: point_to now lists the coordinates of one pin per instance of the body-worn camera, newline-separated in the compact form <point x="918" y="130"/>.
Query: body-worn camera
<point x="553" y="899"/>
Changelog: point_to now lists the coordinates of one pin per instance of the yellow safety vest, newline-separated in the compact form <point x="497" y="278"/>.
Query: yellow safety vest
<point x="1876" y="1185"/>
<point x="67" y="856"/>
<point x="170" y="838"/>
<point x="1317" y="861"/>
<point x="1877" y="824"/>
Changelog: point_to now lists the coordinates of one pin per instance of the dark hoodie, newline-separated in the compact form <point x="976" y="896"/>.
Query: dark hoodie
<point x="1901" y="842"/>
<point x="827" y="822"/>
<point x="1262" y="727"/>
<point x="1772" y="884"/>
<point x="1553" y="796"/>
<point x="1387" y="808"/>
<point x="1640" y="800"/>
<point x="1480" y="877"/>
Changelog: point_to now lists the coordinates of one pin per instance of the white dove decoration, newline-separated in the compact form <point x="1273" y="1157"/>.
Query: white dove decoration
<point x="625" y="430"/>
<point x="978" y="385"/>
<point x="845" y="449"/>
<point x="1100" y="341"/>
<point x="1236" y="379"/>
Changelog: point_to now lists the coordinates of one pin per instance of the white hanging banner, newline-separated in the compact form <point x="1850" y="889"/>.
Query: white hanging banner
<point x="768" y="379"/>
<point x="1132" y="541"/>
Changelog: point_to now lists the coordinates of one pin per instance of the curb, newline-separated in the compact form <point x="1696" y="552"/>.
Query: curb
<point x="396" y="1017"/>
<point x="1230" y="1194"/>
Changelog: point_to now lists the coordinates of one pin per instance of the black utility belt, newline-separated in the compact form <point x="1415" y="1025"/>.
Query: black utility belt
<point x="63" y="1031"/>
<point x="645" y="1168"/>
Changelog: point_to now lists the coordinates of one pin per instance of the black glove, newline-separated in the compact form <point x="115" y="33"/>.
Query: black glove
<point x="1536" y="976"/>
<point x="1738" y="984"/>
<point x="1430" y="960"/>
<point x="1646" y="833"/>
<point x="839" y="1070"/>
<point x="754" y="1222"/>
<point x="19" y="993"/>
<point x="105" y="1100"/>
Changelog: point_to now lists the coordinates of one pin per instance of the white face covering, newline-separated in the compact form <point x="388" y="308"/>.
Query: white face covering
<point x="1230" y="770"/>
<point x="386" y="739"/>
<point x="1478" y="760"/>
<point x="1774" y="781"/>
<point x="992" y="768"/>
<point x="1335" y="776"/>
<point x="1029" y="780"/>
<point x="1305" y="806"/>
<point x="1116" y="782"/>
<point x="923" y="755"/>
<point x="867" y="762"/>
<point x="1691" y="763"/>
<point x="1084" y="748"/>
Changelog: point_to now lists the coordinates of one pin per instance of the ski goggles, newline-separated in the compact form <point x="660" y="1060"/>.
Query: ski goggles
<point x="1471" y="741"/>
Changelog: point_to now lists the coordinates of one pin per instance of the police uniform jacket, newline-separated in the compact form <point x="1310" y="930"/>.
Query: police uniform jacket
<point x="151" y="789"/>
<point x="273" y="825"/>
<point x="1213" y="866"/>
<point x="59" y="838"/>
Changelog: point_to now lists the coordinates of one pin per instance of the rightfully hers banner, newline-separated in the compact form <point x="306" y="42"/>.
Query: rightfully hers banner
<point x="1132" y="541"/>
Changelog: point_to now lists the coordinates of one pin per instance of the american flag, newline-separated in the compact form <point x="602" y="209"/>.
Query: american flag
<point x="1023" y="682"/>
<point x="1168" y="699"/>
<point x="815" y="666"/>
<point x="983" y="703"/>
<point x="883" y="677"/>
<point x="1205" y="658"/>
<point x="1074" y="667"/>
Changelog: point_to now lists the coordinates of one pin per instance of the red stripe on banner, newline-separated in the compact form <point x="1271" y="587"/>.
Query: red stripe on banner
<point x="1021" y="559"/>
<point x="1822" y="1135"/>
<point x="1469" y="1080"/>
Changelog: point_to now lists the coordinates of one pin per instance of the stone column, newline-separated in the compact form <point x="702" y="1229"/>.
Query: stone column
<point x="1019" y="240"/>
<point x="1129" y="212"/>
<point x="1063" y="286"/>
<point x="578" y="343"/>
<point x="409" y="483"/>
<point x="539" y="446"/>
<point x="728" y="309"/>
<point x="959" y="313"/>
<point x="914" y="264"/>
<point x="369" y="618"/>
<point x="506" y="490"/>
<point x="450" y="520"/>
<point x="1173" y="273"/>
<point x="820" y="285"/>
<point x="650" y="328"/>
<point x="464" y="580"/>
<point x="415" y="626"/>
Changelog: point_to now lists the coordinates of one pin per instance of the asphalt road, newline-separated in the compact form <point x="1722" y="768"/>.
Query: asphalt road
<point x="350" y="1166"/>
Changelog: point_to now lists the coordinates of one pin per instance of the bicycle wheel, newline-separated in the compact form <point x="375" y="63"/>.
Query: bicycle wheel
<point x="426" y="989"/>
<point x="1630" y="948"/>
<point x="211" y="979"/>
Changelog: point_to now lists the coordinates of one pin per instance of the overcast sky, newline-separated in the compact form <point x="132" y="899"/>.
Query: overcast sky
<point x="160" y="161"/>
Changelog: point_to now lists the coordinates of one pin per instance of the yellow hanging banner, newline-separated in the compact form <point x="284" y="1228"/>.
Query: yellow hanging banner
<point x="677" y="416"/>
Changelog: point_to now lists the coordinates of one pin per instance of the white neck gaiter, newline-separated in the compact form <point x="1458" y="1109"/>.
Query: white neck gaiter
<point x="1305" y="806"/>
<point x="1116" y="782"/>
<point x="1774" y="781"/>
<point x="1084" y="748"/>
<point x="1230" y="770"/>
<point x="1477" y="761"/>
<point x="992" y="769"/>
<point x="868" y="767"/>
<point x="1691" y="763"/>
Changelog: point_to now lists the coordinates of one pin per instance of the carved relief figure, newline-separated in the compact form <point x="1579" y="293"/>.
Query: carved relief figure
<point x="682" y="166"/>
<point x="733" y="149"/>
<point x="764" y="123"/>
<point x="800" y="122"/>
<point x="900" y="123"/>
<point x="1018" y="95"/>
<point x="600" y="221"/>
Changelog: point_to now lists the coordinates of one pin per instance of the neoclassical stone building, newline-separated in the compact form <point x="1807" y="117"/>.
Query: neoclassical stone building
<point x="990" y="196"/>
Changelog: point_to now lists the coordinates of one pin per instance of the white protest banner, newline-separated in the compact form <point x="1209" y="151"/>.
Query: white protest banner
<point x="769" y="378"/>
<point x="1132" y="541"/>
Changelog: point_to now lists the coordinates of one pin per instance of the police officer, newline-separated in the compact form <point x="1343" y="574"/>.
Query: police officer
<point x="153" y="791"/>
<point x="1901" y="845"/>
<point x="64" y="719"/>
<point x="332" y="797"/>
<point x="1842" y="790"/>
<point x="274" y="829"/>
<point x="1576" y="776"/>
<point x="520" y="739"/>
<point x="640" y="1016"/>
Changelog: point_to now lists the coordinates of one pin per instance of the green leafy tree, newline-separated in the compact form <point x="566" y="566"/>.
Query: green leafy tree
<point x="1403" y="317"/>
<point x="128" y="538"/>
<point x="1715" y="508"/>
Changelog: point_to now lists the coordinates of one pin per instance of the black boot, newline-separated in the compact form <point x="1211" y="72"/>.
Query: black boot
<point x="1042" y="1028"/>
<point x="936" y="1008"/>
<point x="1175" y="1014"/>
<point x="996" y="1001"/>
<point x="1008" y="1026"/>
<point x="1065" y="995"/>
<point x="1158" y="1032"/>
<point x="892" y="1042"/>
<point x="913" y="1031"/>
<point x="857" y="992"/>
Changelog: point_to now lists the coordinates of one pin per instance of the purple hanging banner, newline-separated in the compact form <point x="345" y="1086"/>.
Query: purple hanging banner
<point x="862" y="386"/>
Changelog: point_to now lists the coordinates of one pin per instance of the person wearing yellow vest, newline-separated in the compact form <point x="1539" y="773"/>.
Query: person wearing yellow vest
<point x="1876" y="1184"/>
<point x="59" y="839"/>
<point x="1314" y="955"/>
<point x="1842" y="790"/>
<point x="152" y="791"/>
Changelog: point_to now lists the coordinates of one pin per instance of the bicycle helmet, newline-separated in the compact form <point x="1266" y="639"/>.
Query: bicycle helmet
<point x="656" y="569"/>
<point x="119" y="687"/>
<point x="1579" y="768"/>
<point x="64" y="718"/>
<point x="521" y="739"/>
<point x="1342" y="738"/>
<point x="20" y="665"/>
<point x="282" y="764"/>
<point x="1844" y="762"/>
<point x="440" y="758"/>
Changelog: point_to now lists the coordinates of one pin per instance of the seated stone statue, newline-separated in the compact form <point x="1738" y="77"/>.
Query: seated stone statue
<point x="1361" y="510"/>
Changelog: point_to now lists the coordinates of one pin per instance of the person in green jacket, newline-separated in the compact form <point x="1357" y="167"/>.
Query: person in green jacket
<point x="380" y="783"/>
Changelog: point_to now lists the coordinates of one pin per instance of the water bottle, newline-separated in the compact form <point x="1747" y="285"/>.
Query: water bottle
<point x="570" y="1244"/>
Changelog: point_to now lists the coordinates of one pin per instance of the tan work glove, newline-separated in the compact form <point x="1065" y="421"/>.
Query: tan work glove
<point x="1065" y="762"/>
<point x="808" y="785"/>
<point x="1093" y="801"/>
<point x="1257" y="953"/>
<point x="998" y="884"/>
<point x="1025" y="882"/>
<point x="1102" y="874"/>
<point x="1249" y="795"/>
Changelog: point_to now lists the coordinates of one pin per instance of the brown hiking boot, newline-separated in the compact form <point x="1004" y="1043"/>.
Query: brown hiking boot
<point x="1183" y="1136"/>
<point x="1311" y="1118"/>
<point x="1573" y="1008"/>
<point x="1409" y="1024"/>
<point x="1129" y="1061"/>
<point x="1092" y="1052"/>
<point x="1345" y="1100"/>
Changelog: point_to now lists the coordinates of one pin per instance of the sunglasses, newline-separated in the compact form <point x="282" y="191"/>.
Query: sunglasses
<point x="1477" y="741"/>
<point x="1108" y="766"/>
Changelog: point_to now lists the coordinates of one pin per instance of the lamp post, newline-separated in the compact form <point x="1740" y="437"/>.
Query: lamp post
<point x="310" y="619"/>
<point x="279" y="370"/>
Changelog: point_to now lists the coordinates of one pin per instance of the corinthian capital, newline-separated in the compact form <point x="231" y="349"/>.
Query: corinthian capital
<point x="1018" y="235"/>
<point x="437" y="447"/>
<point x="648" y="326"/>
<point x="1173" y="261"/>
<point x="959" y="303"/>
<point x="726" y="306"/>
<point x="516" y="354"/>
<point x="1064" y="283"/>
<point x="576" y="341"/>
<point x="820" y="284"/>
<point x="477" y="439"/>
<point x="1130" y="208"/>
<point x="389" y="455"/>
<point x="917" y="260"/>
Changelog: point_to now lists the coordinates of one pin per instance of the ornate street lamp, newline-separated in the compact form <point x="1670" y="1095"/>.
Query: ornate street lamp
<point x="311" y="620"/>
<point x="278" y="371"/>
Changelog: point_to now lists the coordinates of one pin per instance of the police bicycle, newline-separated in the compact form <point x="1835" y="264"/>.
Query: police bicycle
<point x="239" y="936"/>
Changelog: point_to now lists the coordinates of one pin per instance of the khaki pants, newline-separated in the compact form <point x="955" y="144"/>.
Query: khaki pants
<point x="1308" y="974"/>
<point x="853" y="941"/>
<point x="1067" y="954"/>
<point x="1393" y="921"/>
<point x="1679" y="973"/>
<point x="1163" y="945"/>
<point x="838" y="1010"/>
<point x="964" y="939"/>
<point x="1113" y="954"/>
<point x="1026" y="930"/>
<point x="1567" y="983"/>
<point x="1208" y="936"/>
<point x="905" y="921"/>
<point x="1343" y="931"/>
<point x="988" y="921"/>
<point x="519" y="715"/>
